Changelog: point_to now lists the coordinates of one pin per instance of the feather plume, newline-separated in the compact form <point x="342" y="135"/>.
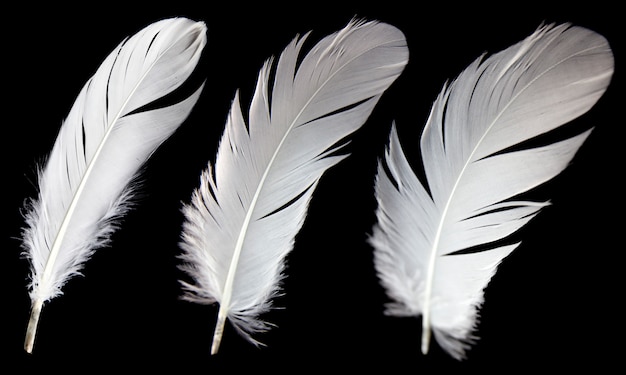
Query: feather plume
<point x="475" y="176"/>
<point x="242" y="220"/>
<point x="86" y="183"/>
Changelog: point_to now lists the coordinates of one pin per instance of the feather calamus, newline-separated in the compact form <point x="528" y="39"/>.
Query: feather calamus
<point x="474" y="177"/>
<point x="86" y="183"/>
<point x="242" y="220"/>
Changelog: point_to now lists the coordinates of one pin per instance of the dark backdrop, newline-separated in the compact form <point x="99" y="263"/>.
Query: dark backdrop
<point x="554" y="302"/>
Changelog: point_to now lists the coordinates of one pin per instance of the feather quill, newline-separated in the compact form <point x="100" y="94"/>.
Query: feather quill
<point x="242" y="220"/>
<point x="86" y="183"/>
<point x="474" y="178"/>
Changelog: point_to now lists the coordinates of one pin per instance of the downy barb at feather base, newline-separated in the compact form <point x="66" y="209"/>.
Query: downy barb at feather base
<point x="475" y="178"/>
<point x="107" y="136"/>
<point x="242" y="220"/>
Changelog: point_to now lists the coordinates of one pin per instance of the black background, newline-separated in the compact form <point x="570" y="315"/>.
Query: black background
<point x="555" y="302"/>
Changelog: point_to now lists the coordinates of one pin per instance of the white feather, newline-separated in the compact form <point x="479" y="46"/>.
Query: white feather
<point x="102" y="144"/>
<point x="537" y="85"/>
<point x="242" y="220"/>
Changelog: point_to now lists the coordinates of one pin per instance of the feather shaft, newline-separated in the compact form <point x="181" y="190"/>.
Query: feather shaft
<point x="426" y="321"/>
<point x="33" y="322"/>
<point x="56" y="246"/>
<point x="222" y="315"/>
<point x="228" y="286"/>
